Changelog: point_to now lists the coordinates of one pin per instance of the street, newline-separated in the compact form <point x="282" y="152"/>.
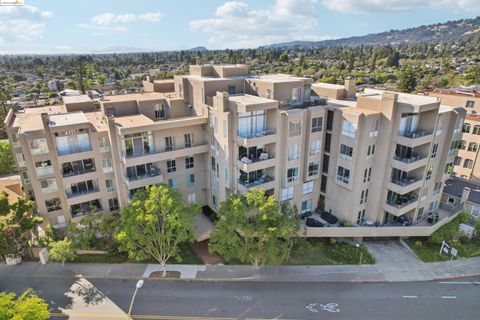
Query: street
<point x="170" y="299"/>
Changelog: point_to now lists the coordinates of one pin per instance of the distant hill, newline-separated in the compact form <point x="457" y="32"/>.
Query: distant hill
<point x="441" y="32"/>
<point x="198" y="49"/>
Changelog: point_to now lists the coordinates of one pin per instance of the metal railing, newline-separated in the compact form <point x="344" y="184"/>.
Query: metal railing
<point x="256" y="134"/>
<point x="417" y="134"/>
<point x="406" y="182"/>
<point x="260" y="181"/>
<point x="165" y="149"/>
<point x="401" y="203"/>
<point x="77" y="172"/>
<point x="81" y="193"/>
<point x="153" y="173"/>
<point x="413" y="158"/>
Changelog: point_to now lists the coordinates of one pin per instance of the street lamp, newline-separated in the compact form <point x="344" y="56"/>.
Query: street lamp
<point x="357" y="245"/>
<point x="137" y="286"/>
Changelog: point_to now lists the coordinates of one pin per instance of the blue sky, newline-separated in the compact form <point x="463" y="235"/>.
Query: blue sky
<point x="51" y="26"/>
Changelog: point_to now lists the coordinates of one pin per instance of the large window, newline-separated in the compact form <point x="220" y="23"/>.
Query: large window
<point x="251" y="124"/>
<point x="287" y="193"/>
<point x="295" y="128"/>
<point x="313" y="168"/>
<point x="292" y="174"/>
<point x="110" y="185"/>
<point x="113" y="204"/>
<point x="72" y="141"/>
<point x="48" y="185"/>
<point x="374" y="130"/>
<point x="53" y="204"/>
<point x="189" y="162"/>
<point x="188" y="137"/>
<point x="308" y="187"/>
<point x="315" y="147"/>
<point x="348" y="129"/>
<point x="161" y="110"/>
<point x="468" y="164"/>
<point x="79" y="188"/>
<point x="466" y="127"/>
<point x="103" y="144"/>
<point x="171" y="166"/>
<point x="43" y="168"/>
<point x="473" y="147"/>
<point x="38" y="146"/>
<point x="307" y="206"/>
<point x="317" y="124"/>
<point x="79" y="167"/>
<point x="343" y="174"/>
<point x="107" y="165"/>
<point x="170" y="143"/>
<point x="346" y="152"/>
<point x="293" y="151"/>
<point x="138" y="144"/>
<point x="141" y="171"/>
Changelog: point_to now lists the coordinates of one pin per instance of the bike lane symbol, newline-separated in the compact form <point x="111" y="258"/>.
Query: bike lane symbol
<point x="330" y="307"/>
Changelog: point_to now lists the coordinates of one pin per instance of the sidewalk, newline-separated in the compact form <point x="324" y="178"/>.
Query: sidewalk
<point x="342" y="273"/>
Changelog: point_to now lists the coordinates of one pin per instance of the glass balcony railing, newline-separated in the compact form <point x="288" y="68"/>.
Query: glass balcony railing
<point x="150" y="151"/>
<point x="409" y="158"/>
<point x="401" y="202"/>
<point x="81" y="193"/>
<point x="405" y="181"/>
<point x="262" y="157"/>
<point x="256" y="134"/>
<point x="44" y="171"/>
<point x="74" y="149"/>
<point x="416" y="134"/>
<point x="76" y="172"/>
<point x="258" y="182"/>
<point x="154" y="172"/>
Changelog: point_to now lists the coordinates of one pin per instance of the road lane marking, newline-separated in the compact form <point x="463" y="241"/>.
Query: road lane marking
<point x="139" y="316"/>
<point x="449" y="297"/>
<point x="460" y="282"/>
<point x="410" y="297"/>
<point x="330" y="307"/>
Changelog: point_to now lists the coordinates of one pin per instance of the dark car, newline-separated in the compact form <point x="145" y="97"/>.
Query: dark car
<point x="314" y="223"/>
<point x="330" y="218"/>
<point x="306" y="215"/>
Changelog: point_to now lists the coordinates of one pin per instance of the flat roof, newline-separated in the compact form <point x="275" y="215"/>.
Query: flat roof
<point x="97" y="121"/>
<point x="76" y="99"/>
<point x="138" y="97"/>
<point x="408" y="98"/>
<point x="132" y="121"/>
<point x="67" y="119"/>
<point x="454" y="187"/>
<point x="247" y="99"/>
<point x="328" y="85"/>
<point x="59" y="108"/>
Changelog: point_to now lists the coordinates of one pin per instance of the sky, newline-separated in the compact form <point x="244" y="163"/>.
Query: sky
<point x="79" y="26"/>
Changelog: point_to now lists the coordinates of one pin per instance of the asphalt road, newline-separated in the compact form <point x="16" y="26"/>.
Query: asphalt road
<point x="459" y="299"/>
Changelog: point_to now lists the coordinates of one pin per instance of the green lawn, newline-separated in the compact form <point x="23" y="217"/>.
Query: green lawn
<point x="427" y="249"/>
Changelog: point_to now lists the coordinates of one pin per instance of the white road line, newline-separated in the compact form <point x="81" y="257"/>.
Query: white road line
<point x="449" y="297"/>
<point x="459" y="282"/>
<point x="410" y="297"/>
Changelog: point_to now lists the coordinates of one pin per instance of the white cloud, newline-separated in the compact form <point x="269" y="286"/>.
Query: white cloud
<point x="109" y="23"/>
<point x="235" y="25"/>
<point x="22" y="23"/>
<point x="382" y="6"/>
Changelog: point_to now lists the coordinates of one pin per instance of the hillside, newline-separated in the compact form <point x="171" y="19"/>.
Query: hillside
<point x="441" y="32"/>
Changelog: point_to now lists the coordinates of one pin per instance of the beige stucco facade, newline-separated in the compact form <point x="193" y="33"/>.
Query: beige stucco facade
<point x="375" y="158"/>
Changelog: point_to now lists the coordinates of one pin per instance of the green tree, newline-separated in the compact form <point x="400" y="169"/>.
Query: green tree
<point x="407" y="80"/>
<point x="16" y="225"/>
<point x="7" y="163"/>
<point x="62" y="251"/>
<point x="101" y="78"/>
<point x="155" y="224"/>
<point x="473" y="75"/>
<point x="27" y="306"/>
<point x="254" y="228"/>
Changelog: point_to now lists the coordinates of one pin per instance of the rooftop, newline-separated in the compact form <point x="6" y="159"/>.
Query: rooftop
<point x="454" y="187"/>
<point x="247" y="99"/>
<point x="97" y="121"/>
<point x="76" y="99"/>
<point x="328" y="85"/>
<point x="13" y="189"/>
<point x="138" y="97"/>
<point x="67" y="119"/>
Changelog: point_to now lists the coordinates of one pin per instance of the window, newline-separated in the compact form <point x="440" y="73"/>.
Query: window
<point x="103" y="144"/>
<point x="476" y="130"/>
<point x="53" y="204"/>
<point x="160" y="110"/>
<point x="315" y="147"/>
<point x="287" y="193"/>
<point x="468" y="164"/>
<point x="15" y="141"/>
<point x="169" y="143"/>
<point x="172" y="183"/>
<point x="192" y="198"/>
<point x="361" y="216"/>
<point x="137" y="144"/>
<point x="171" y="166"/>
<point x="39" y="146"/>
<point x="107" y="165"/>
<point x="48" y="185"/>
<point x="292" y="174"/>
<point x="439" y="127"/>
<point x="370" y="151"/>
<point x="251" y="124"/>
<point x="458" y="125"/>
<point x="346" y="152"/>
<point x="231" y="90"/>
<point x="470" y="104"/>
<point x="367" y="174"/>
<point x="225" y="176"/>
<point x="473" y="147"/>
<point x="214" y="200"/>
<point x="313" y="168"/>
<point x="110" y="185"/>
<point x="317" y="124"/>
<point x="457" y="161"/>
<point x="343" y="174"/>
<point x="20" y="159"/>
<point x="190" y="110"/>
<point x="214" y="167"/>
<point x="43" y="168"/>
<point x="364" y="196"/>
<point x="429" y="173"/>
<point x="434" y="150"/>
<point x="308" y="187"/>
<point x="449" y="168"/>
<point x="293" y="152"/>
<point x="295" y="128"/>
<point x="307" y="206"/>
<point x="72" y="141"/>
<point x="189" y="162"/>
<point x="267" y="93"/>
<point x="191" y="180"/>
<point x="188" y="138"/>
<point x="436" y="188"/>
<point x="225" y="128"/>
<point x="348" y="129"/>
<point x="113" y="204"/>
<point x="374" y="130"/>
<point x="25" y="177"/>
<point x="460" y="144"/>
<point x="466" y="127"/>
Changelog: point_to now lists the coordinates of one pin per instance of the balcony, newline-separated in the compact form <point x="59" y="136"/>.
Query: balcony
<point x="257" y="138"/>
<point x="80" y="193"/>
<point x="265" y="182"/>
<point x="162" y="154"/>
<point x="82" y="209"/>
<point x="403" y="186"/>
<point x="74" y="149"/>
<point x="44" y="171"/>
<point x="76" y="172"/>
<point x="409" y="163"/>
<point x="138" y="181"/>
<point x="417" y="138"/>
<point x="39" y="151"/>
<point x="401" y="205"/>
<point x="265" y="160"/>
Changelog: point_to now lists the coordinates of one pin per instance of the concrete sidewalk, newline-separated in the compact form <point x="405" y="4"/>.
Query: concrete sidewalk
<point x="342" y="273"/>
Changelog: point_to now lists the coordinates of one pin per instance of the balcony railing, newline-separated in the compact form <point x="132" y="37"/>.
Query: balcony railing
<point x="249" y="135"/>
<point x="84" y="211"/>
<point x="401" y="202"/>
<point x="73" y="149"/>
<point x="263" y="156"/>
<point x="406" y="181"/>
<point x="165" y="149"/>
<point x="410" y="159"/>
<point x="417" y="134"/>
<point x="81" y="193"/>
<point x="77" y="172"/>
<point x="39" y="151"/>
<point x="260" y="181"/>
<point x="50" y="189"/>
<point x="153" y="173"/>
<point x="43" y="171"/>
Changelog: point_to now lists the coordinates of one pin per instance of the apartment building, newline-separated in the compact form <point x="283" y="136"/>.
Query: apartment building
<point x="373" y="158"/>
<point x="467" y="162"/>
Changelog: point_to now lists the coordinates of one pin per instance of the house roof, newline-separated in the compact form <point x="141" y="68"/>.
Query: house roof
<point x="454" y="187"/>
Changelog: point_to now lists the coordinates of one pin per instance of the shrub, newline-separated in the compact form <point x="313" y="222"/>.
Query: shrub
<point x="62" y="251"/>
<point x="418" y="243"/>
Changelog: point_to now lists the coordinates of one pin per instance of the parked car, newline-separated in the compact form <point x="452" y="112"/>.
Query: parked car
<point x="330" y="218"/>
<point x="314" y="223"/>
<point x="306" y="215"/>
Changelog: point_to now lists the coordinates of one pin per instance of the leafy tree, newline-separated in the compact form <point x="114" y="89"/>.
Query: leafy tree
<point x="101" y="78"/>
<point x="16" y="224"/>
<point x="407" y="80"/>
<point x="62" y="251"/>
<point x="473" y="75"/>
<point x="7" y="163"/>
<point x="155" y="224"/>
<point x="254" y="228"/>
<point x="27" y="306"/>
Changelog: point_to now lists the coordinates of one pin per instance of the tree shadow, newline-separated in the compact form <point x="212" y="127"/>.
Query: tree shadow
<point x="89" y="294"/>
